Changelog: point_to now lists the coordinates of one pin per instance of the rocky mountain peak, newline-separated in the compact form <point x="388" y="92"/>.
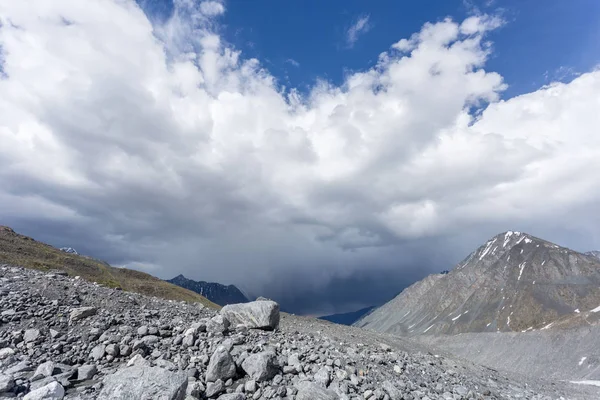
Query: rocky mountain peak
<point x="593" y="253"/>
<point x="507" y="245"/>
<point x="513" y="282"/>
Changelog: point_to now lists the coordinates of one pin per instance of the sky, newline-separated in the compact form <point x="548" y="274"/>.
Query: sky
<point x="324" y="154"/>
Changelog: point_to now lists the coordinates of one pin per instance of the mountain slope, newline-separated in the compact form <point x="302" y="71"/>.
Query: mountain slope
<point x="514" y="282"/>
<point x="347" y="318"/>
<point x="215" y="292"/>
<point x="593" y="253"/>
<point x="24" y="251"/>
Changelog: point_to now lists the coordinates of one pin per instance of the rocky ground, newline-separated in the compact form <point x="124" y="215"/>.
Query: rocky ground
<point x="63" y="337"/>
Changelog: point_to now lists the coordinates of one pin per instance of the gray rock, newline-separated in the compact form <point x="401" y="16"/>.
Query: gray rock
<point x="261" y="366"/>
<point x="86" y="372"/>
<point x="392" y="391"/>
<point x="113" y="350"/>
<point x="6" y="383"/>
<point x="138" y="360"/>
<point x="221" y="365"/>
<point x="142" y="330"/>
<point x="81" y="313"/>
<point x="52" y="391"/>
<point x="232" y="396"/>
<point x="21" y="366"/>
<point x="44" y="370"/>
<point x="188" y="341"/>
<point x="98" y="352"/>
<point x="217" y="324"/>
<point x="214" y="388"/>
<point x="31" y="335"/>
<point x="250" y="386"/>
<point x="41" y="383"/>
<point x="150" y="339"/>
<point x="322" y="377"/>
<point x="140" y="382"/>
<point x="6" y="352"/>
<point x="312" y="391"/>
<point x="257" y="314"/>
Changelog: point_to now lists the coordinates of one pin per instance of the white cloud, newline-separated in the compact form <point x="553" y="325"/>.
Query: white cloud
<point x="293" y="62"/>
<point x="162" y="146"/>
<point x="360" y="27"/>
<point x="211" y="8"/>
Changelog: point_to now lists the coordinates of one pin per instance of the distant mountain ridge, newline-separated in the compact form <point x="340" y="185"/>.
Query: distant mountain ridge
<point x="514" y="282"/>
<point x="593" y="253"/>
<point x="347" y="318"/>
<point x="215" y="292"/>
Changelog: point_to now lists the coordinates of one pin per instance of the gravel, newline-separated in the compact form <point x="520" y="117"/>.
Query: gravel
<point x="138" y="347"/>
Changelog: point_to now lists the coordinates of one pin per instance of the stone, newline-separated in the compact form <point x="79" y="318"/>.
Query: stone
<point x="261" y="366"/>
<point x="6" y="383"/>
<point x="86" y="372"/>
<point x="232" y="396"/>
<point x="250" y="386"/>
<point x="392" y="391"/>
<point x="254" y="315"/>
<point x="312" y="391"/>
<point x="6" y="352"/>
<point x="44" y="370"/>
<point x="31" y="335"/>
<point x="81" y="313"/>
<point x="220" y="366"/>
<point x="98" y="352"/>
<point x="140" y="382"/>
<point x="52" y="391"/>
<point x="113" y="350"/>
<point x="323" y="377"/>
<point x="188" y="341"/>
<point x="150" y="339"/>
<point x="21" y="366"/>
<point x="142" y="330"/>
<point x="138" y="360"/>
<point x="214" y="388"/>
<point x="217" y="324"/>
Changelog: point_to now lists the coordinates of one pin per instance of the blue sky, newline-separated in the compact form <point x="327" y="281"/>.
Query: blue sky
<point x="300" y="41"/>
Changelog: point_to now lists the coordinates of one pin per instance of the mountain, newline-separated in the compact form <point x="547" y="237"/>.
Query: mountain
<point x="515" y="282"/>
<point x="347" y="318"/>
<point x="215" y="292"/>
<point x="593" y="253"/>
<point x="17" y="249"/>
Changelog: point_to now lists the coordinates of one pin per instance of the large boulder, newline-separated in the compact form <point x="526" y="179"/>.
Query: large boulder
<point x="221" y="365"/>
<point x="257" y="314"/>
<point x="312" y="391"/>
<point x="140" y="382"/>
<point x="261" y="366"/>
<point x="52" y="391"/>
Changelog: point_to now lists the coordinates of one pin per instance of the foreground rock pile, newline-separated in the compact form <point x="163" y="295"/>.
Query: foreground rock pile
<point x="62" y="337"/>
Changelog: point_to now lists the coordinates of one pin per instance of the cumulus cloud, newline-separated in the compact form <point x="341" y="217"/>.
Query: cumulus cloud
<point x="163" y="148"/>
<point x="358" y="28"/>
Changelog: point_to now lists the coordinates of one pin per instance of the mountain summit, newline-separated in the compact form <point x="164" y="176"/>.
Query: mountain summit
<point x="215" y="292"/>
<point x="513" y="282"/>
